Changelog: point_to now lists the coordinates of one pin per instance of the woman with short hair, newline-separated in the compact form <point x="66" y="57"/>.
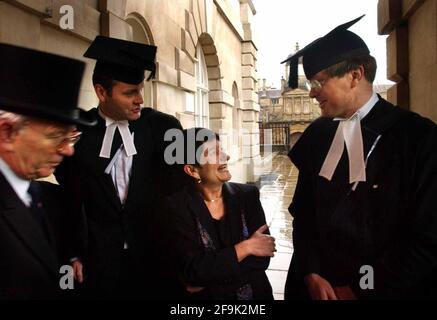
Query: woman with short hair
<point x="217" y="231"/>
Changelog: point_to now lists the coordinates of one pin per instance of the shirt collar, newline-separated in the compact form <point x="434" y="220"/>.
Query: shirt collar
<point x="19" y="185"/>
<point x="108" y="138"/>
<point x="110" y="121"/>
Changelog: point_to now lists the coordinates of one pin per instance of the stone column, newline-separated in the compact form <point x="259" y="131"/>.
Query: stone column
<point x="411" y="52"/>
<point x="112" y="23"/>
<point x="250" y="106"/>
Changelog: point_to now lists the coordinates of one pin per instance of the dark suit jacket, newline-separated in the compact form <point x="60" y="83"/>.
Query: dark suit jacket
<point x="29" y="266"/>
<point x="388" y="223"/>
<point x="217" y="270"/>
<point x="100" y="223"/>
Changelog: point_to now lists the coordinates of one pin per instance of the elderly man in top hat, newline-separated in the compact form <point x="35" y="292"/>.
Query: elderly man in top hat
<point x="37" y="130"/>
<point x="117" y="176"/>
<point x="365" y="206"/>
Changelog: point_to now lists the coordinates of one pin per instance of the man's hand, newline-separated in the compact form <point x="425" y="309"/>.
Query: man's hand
<point x="192" y="290"/>
<point x="319" y="288"/>
<point x="77" y="270"/>
<point x="345" y="293"/>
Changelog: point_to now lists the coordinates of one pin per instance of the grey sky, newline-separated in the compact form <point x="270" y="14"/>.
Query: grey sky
<point x="279" y="24"/>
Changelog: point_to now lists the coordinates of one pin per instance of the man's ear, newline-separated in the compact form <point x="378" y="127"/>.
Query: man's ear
<point x="8" y="132"/>
<point x="357" y="76"/>
<point x="191" y="171"/>
<point x="101" y="92"/>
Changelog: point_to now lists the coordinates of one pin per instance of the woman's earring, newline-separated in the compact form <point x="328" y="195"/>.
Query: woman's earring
<point x="199" y="181"/>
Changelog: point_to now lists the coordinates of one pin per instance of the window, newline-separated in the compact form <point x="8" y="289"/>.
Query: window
<point x="189" y="102"/>
<point x="201" y="107"/>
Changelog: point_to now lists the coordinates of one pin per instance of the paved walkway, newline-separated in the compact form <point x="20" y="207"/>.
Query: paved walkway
<point x="277" y="185"/>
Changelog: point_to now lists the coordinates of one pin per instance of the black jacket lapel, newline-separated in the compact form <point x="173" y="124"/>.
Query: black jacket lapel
<point x="234" y="204"/>
<point x="141" y="162"/>
<point x="88" y="150"/>
<point x="19" y="218"/>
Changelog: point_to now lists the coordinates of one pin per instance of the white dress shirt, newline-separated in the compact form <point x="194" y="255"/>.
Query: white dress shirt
<point x="19" y="185"/>
<point x="120" y="165"/>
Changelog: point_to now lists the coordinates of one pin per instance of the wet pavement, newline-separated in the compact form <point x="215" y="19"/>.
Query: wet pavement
<point x="277" y="184"/>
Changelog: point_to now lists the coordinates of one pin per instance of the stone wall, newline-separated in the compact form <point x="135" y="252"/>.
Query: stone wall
<point x="411" y="53"/>
<point x="222" y="29"/>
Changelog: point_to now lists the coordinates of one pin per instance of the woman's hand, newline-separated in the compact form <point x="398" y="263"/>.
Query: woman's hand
<point x="259" y="244"/>
<point x="262" y="245"/>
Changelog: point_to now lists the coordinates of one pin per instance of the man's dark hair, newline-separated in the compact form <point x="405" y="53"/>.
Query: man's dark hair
<point x="106" y="82"/>
<point x="340" y="69"/>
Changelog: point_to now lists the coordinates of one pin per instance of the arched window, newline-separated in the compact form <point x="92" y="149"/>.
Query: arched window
<point x="141" y="34"/>
<point x="201" y="103"/>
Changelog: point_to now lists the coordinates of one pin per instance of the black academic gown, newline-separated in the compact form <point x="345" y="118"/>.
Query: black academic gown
<point x="101" y="224"/>
<point x="389" y="222"/>
<point x="217" y="270"/>
<point x="29" y="266"/>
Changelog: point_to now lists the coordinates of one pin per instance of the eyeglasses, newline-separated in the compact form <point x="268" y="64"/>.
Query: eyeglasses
<point x="316" y="84"/>
<point x="70" y="141"/>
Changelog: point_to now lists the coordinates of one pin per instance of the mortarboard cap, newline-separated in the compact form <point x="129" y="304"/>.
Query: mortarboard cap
<point x="122" y="60"/>
<point x="338" y="45"/>
<point x="41" y="85"/>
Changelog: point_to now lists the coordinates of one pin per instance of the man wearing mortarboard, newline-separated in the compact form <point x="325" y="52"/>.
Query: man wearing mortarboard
<point x="365" y="207"/>
<point x="117" y="177"/>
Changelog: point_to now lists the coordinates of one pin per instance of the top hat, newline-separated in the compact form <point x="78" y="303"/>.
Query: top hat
<point x="41" y="85"/>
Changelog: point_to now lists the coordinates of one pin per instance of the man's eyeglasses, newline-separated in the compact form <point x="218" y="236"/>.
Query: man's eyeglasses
<point x="69" y="141"/>
<point x="316" y="84"/>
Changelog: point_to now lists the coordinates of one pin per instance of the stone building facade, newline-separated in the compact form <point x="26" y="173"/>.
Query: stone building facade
<point x="206" y="57"/>
<point x="285" y="111"/>
<point x="411" y="53"/>
<point x="287" y="106"/>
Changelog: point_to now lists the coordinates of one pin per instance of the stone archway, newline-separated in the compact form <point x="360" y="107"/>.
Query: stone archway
<point x="294" y="137"/>
<point x="217" y="97"/>
<point x="140" y="28"/>
<point x="193" y="36"/>
<point x="141" y="33"/>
